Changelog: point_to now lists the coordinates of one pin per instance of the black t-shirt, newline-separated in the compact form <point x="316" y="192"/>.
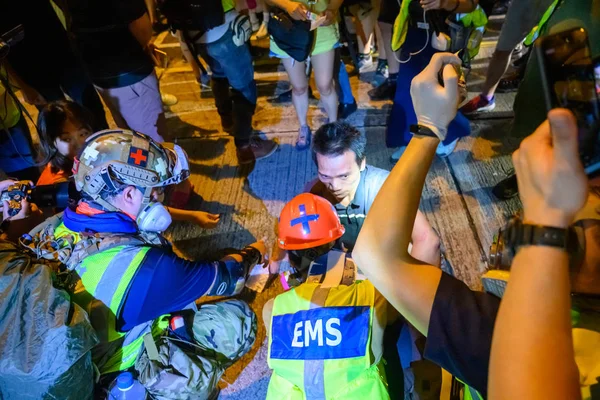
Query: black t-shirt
<point x="42" y="56"/>
<point x="113" y="57"/>
<point x="460" y="331"/>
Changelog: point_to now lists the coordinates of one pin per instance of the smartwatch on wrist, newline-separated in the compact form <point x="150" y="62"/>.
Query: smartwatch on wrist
<point x="422" y="130"/>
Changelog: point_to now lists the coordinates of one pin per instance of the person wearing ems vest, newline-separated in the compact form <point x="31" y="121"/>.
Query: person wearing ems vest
<point x="459" y="322"/>
<point x="326" y="332"/>
<point x="232" y="79"/>
<point x="350" y="184"/>
<point x="128" y="277"/>
<point x="420" y="30"/>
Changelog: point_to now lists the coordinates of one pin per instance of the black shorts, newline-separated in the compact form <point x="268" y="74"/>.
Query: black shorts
<point x="389" y="11"/>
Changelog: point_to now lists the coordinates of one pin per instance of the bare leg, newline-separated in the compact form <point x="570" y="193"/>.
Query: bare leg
<point x="297" y="74"/>
<point x="497" y="67"/>
<point x="323" y="67"/>
<point x="380" y="45"/>
<point x="386" y="35"/>
<point x="368" y="25"/>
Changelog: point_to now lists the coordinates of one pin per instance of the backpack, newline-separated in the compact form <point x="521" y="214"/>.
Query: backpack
<point x="45" y="338"/>
<point x="193" y="15"/>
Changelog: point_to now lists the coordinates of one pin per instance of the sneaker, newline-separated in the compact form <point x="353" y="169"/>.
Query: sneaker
<point x="507" y="188"/>
<point x="345" y="110"/>
<point x="381" y="74"/>
<point x="478" y="104"/>
<point x="397" y="154"/>
<point x="385" y="91"/>
<point x="204" y="81"/>
<point x="365" y="63"/>
<point x="168" y="99"/>
<point x="445" y="150"/>
<point x="304" y="138"/>
<point x="511" y="82"/>
<point x="256" y="150"/>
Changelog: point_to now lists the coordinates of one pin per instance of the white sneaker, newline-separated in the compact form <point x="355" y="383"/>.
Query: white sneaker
<point x="397" y="154"/>
<point x="445" y="151"/>
<point x="168" y="99"/>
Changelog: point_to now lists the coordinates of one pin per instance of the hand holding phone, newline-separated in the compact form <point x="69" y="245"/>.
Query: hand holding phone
<point x="570" y="80"/>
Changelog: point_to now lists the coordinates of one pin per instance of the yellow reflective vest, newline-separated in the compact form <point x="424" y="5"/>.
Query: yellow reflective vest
<point x="104" y="278"/>
<point x="319" y="344"/>
<point x="476" y="19"/>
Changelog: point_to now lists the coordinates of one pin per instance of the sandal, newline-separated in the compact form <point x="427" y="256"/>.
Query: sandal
<point x="304" y="138"/>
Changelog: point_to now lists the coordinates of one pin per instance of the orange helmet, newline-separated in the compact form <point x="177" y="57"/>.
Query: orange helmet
<point x="308" y="221"/>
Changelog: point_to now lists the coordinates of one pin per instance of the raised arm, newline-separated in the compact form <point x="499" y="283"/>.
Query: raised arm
<point x="382" y="247"/>
<point x="532" y="348"/>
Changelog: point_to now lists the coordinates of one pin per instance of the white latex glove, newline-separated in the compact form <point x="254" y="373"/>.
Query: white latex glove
<point x="436" y="105"/>
<point x="552" y="182"/>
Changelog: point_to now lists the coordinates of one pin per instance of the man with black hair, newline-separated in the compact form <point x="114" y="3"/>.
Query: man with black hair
<point x="345" y="179"/>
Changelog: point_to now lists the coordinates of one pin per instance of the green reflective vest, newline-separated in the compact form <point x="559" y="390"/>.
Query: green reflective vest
<point x="476" y="19"/>
<point x="535" y="32"/>
<point x="104" y="279"/>
<point x="319" y="344"/>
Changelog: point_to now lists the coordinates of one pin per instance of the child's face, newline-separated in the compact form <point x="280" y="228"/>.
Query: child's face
<point x="71" y="139"/>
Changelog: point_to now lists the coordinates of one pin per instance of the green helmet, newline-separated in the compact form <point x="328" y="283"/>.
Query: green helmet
<point x="113" y="158"/>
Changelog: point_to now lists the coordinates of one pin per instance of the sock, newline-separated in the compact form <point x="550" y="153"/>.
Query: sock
<point x="393" y="77"/>
<point x="381" y="62"/>
<point x="488" y="97"/>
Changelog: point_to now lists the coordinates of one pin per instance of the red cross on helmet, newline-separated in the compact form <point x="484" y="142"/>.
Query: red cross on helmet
<point x="116" y="157"/>
<point x="308" y="221"/>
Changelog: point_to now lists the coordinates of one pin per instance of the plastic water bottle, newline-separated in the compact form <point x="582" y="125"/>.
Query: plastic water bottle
<point x="126" y="388"/>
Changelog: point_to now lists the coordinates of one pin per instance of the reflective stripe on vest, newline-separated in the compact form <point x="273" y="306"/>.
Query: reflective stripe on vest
<point x="319" y="344"/>
<point x="535" y="32"/>
<point x="477" y="18"/>
<point x="104" y="278"/>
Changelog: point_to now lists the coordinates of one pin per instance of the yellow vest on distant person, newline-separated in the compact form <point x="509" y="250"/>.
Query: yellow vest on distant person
<point x="476" y="18"/>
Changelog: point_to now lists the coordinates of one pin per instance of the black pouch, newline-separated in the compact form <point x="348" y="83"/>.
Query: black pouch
<point x="292" y="36"/>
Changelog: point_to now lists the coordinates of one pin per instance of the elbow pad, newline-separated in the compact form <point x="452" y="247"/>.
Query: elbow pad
<point x="230" y="279"/>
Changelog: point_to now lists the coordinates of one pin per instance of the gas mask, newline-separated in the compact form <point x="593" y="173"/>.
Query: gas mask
<point x="154" y="217"/>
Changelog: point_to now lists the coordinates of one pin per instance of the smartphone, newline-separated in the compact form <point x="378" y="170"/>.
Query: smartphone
<point x="571" y="79"/>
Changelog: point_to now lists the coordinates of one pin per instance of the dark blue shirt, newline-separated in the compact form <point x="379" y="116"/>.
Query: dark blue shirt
<point x="460" y="331"/>
<point x="164" y="283"/>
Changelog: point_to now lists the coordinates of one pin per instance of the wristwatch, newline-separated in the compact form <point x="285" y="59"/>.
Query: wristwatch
<point x="518" y="234"/>
<point x="422" y="130"/>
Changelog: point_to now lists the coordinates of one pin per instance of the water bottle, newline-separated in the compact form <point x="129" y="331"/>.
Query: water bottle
<point x="126" y="388"/>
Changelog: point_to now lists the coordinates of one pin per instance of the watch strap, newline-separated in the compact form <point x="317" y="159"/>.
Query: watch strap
<point x="422" y="130"/>
<point x="538" y="235"/>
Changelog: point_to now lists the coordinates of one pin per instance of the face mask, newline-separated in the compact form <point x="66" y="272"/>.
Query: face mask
<point x="154" y="217"/>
